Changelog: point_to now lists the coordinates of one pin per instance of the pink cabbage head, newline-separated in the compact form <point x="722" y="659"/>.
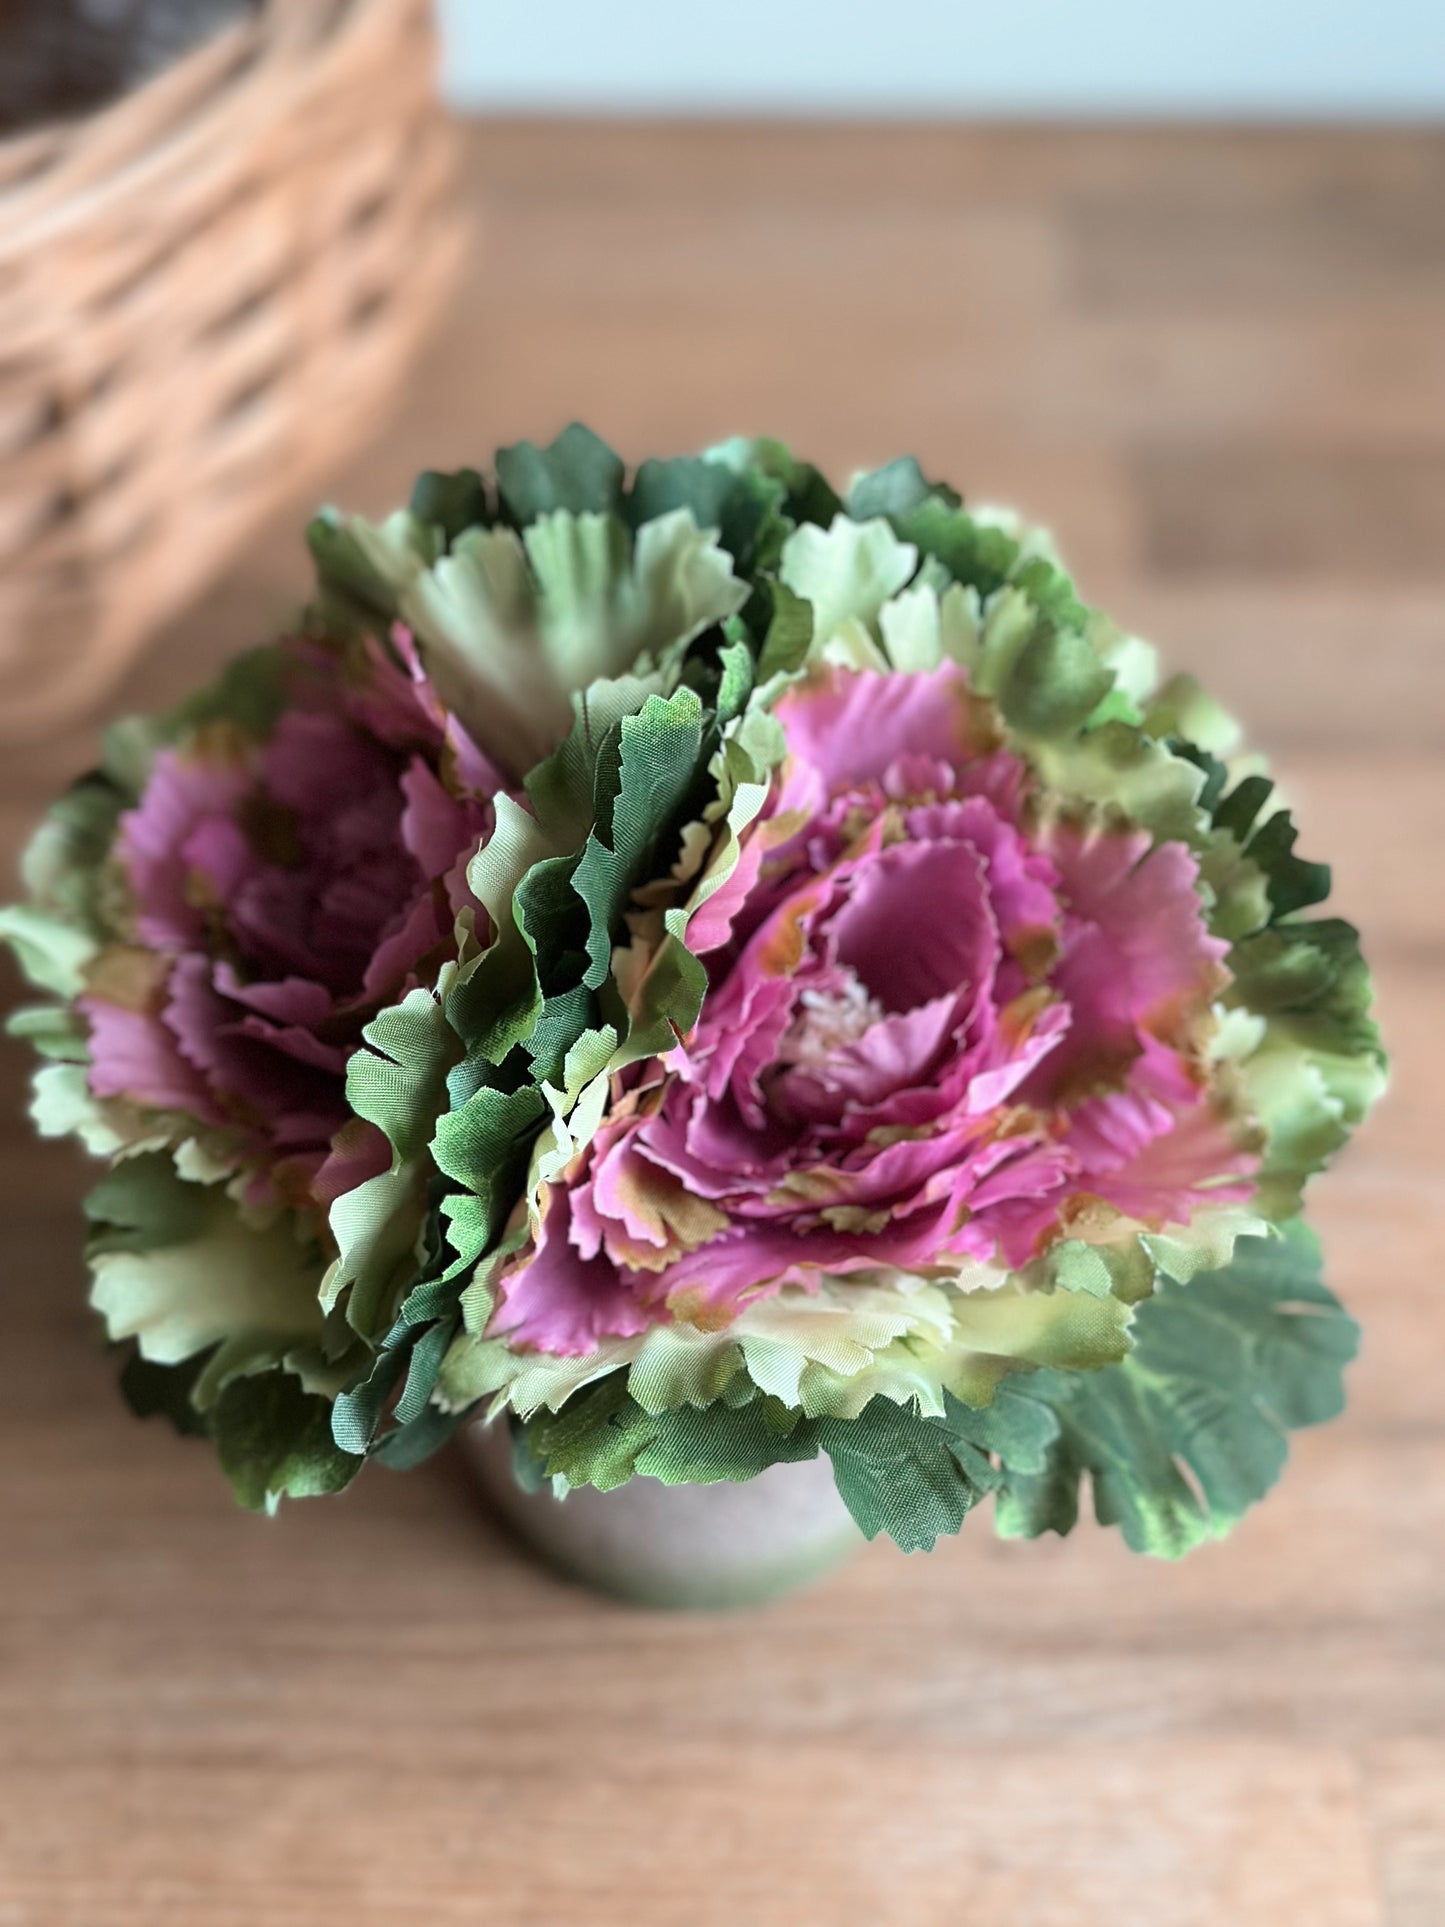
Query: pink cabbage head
<point x="945" y="1028"/>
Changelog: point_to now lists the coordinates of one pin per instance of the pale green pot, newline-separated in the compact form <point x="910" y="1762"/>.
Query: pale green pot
<point x="691" y="1546"/>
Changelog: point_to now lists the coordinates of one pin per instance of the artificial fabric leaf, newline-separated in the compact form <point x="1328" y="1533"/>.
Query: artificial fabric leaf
<point x="1055" y="683"/>
<point x="357" y="1412"/>
<point x="412" y="1444"/>
<point x="656" y="765"/>
<point x="450" y="502"/>
<point x="274" y="1441"/>
<point x="164" y="1391"/>
<point x="181" y="1269"/>
<point x="807" y="494"/>
<point x="603" y="1437"/>
<point x="743" y="505"/>
<point x="578" y="472"/>
<point x="846" y="572"/>
<point x="1189" y="1431"/>
<point x="396" y="1084"/>
<point x="1318" y="1063"/>
<point x="483" y="1145"/>
<point x="352" y="592"/>
<point x="901" y="1474"/>
<point x="895" y="490"/>
<point x="789" y="635"/>
<point x="974" y="552"/>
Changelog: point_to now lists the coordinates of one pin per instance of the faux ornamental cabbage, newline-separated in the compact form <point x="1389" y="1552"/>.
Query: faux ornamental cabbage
<point x="707" y="971"/>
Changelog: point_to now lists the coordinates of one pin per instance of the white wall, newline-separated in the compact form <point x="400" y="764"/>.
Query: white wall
<point x="1288" y="58"/>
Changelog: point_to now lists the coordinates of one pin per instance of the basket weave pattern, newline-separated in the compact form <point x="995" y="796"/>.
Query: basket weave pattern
<point x="206" y="292"/>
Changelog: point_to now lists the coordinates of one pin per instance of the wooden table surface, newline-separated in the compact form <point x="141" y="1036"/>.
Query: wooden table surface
<point x="1216" y="363"/>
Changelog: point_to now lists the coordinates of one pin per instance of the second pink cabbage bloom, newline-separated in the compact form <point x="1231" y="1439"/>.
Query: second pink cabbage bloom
<point x="281" y="890"/>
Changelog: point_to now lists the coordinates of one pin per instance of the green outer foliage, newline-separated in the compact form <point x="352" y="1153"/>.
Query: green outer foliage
<point x="1178" y="1439"/>
<point x="221" y="1305"/>
<point x="1191" y="1429"/>
<point x="230" y="1339"/>
<point x="164" y="1391"/>
<point x="274" y="1442"/>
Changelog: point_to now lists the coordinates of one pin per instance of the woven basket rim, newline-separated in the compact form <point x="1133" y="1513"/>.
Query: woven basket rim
<point x="253" y="69"/>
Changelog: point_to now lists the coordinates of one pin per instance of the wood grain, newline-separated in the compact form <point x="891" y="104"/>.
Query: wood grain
<point x="1215" y="362"/>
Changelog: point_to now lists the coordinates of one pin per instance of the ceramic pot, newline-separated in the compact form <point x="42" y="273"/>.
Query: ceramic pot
<point x="703" y="1546"/>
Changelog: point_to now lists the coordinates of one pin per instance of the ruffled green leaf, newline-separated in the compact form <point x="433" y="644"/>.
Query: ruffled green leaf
<point x="895" y="490"/>
<point x="451" y="503"/>
<point x="164" y="1391"/>
<point x="1180" y="1439"/>
<point x="825" y="1354"/>
<point x="1307" y="1050"/>
<point x="577" y="472"/>
<point x="972" y="551"/>
<point x="274" y="1441"/>
<point x="358" y="579"/>
<point x="657" y="759"/>
<point x="903" y="1475"/>
<point x="808" y="496"/>
<point x="916" y="1478"/>
<point x="911" y="1477"/>
<point x="57" y="932"/>
<point x="603" y="1437"/>
<point x="846" y="573"/>
<point x="789" y="635"/>
<point x="1263" y="835"/>
<point x="483" y="1146"/>
<point x="397" y="1082"/>
<point x="61" y="1105"/>
<point x="52" y="1031"/>
<point x="744" y="505"/>
<point x="511" y="626"/>
<point x="51" y="951"/>
<point x="182" y="1270"/>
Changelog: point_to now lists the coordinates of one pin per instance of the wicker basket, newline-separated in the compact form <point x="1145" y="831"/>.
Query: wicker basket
<point x="206" y="291"/>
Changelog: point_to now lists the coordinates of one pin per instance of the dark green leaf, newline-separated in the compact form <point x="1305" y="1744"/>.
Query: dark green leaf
<point x="483" y="1145"/>
<point x="422" y="1368"/>
<point x="164" y="1391"/>
<point x="1294" y="883"/>
<point x="808" y="495"/>
<point x="1237" y="811"/>
<point x="974" y="553"/>
<point x="602" y="1437"/>
<point x="409" y="1445"/>
<point x="743" y="505"/>
<point x="1190" y="1430"/>
<point x="789" y="634"/>
<point x="578" y="471"/>
<point x="1051" y="592"/>
<point x="452" y="502"/>
<point x="1054" y="683"/>
<point x="900" y="1474"/>
<point x="1016" y="1429"/>
<point x="1312" y="970"/>
<point x="274" y="1440"/>
<point x="659" y="748"/>
<point x="896" y="490"/>
<point x="357" y="1412"/>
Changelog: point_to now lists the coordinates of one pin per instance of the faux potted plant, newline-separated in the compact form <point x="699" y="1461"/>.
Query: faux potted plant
<point x="692" y="978"/>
